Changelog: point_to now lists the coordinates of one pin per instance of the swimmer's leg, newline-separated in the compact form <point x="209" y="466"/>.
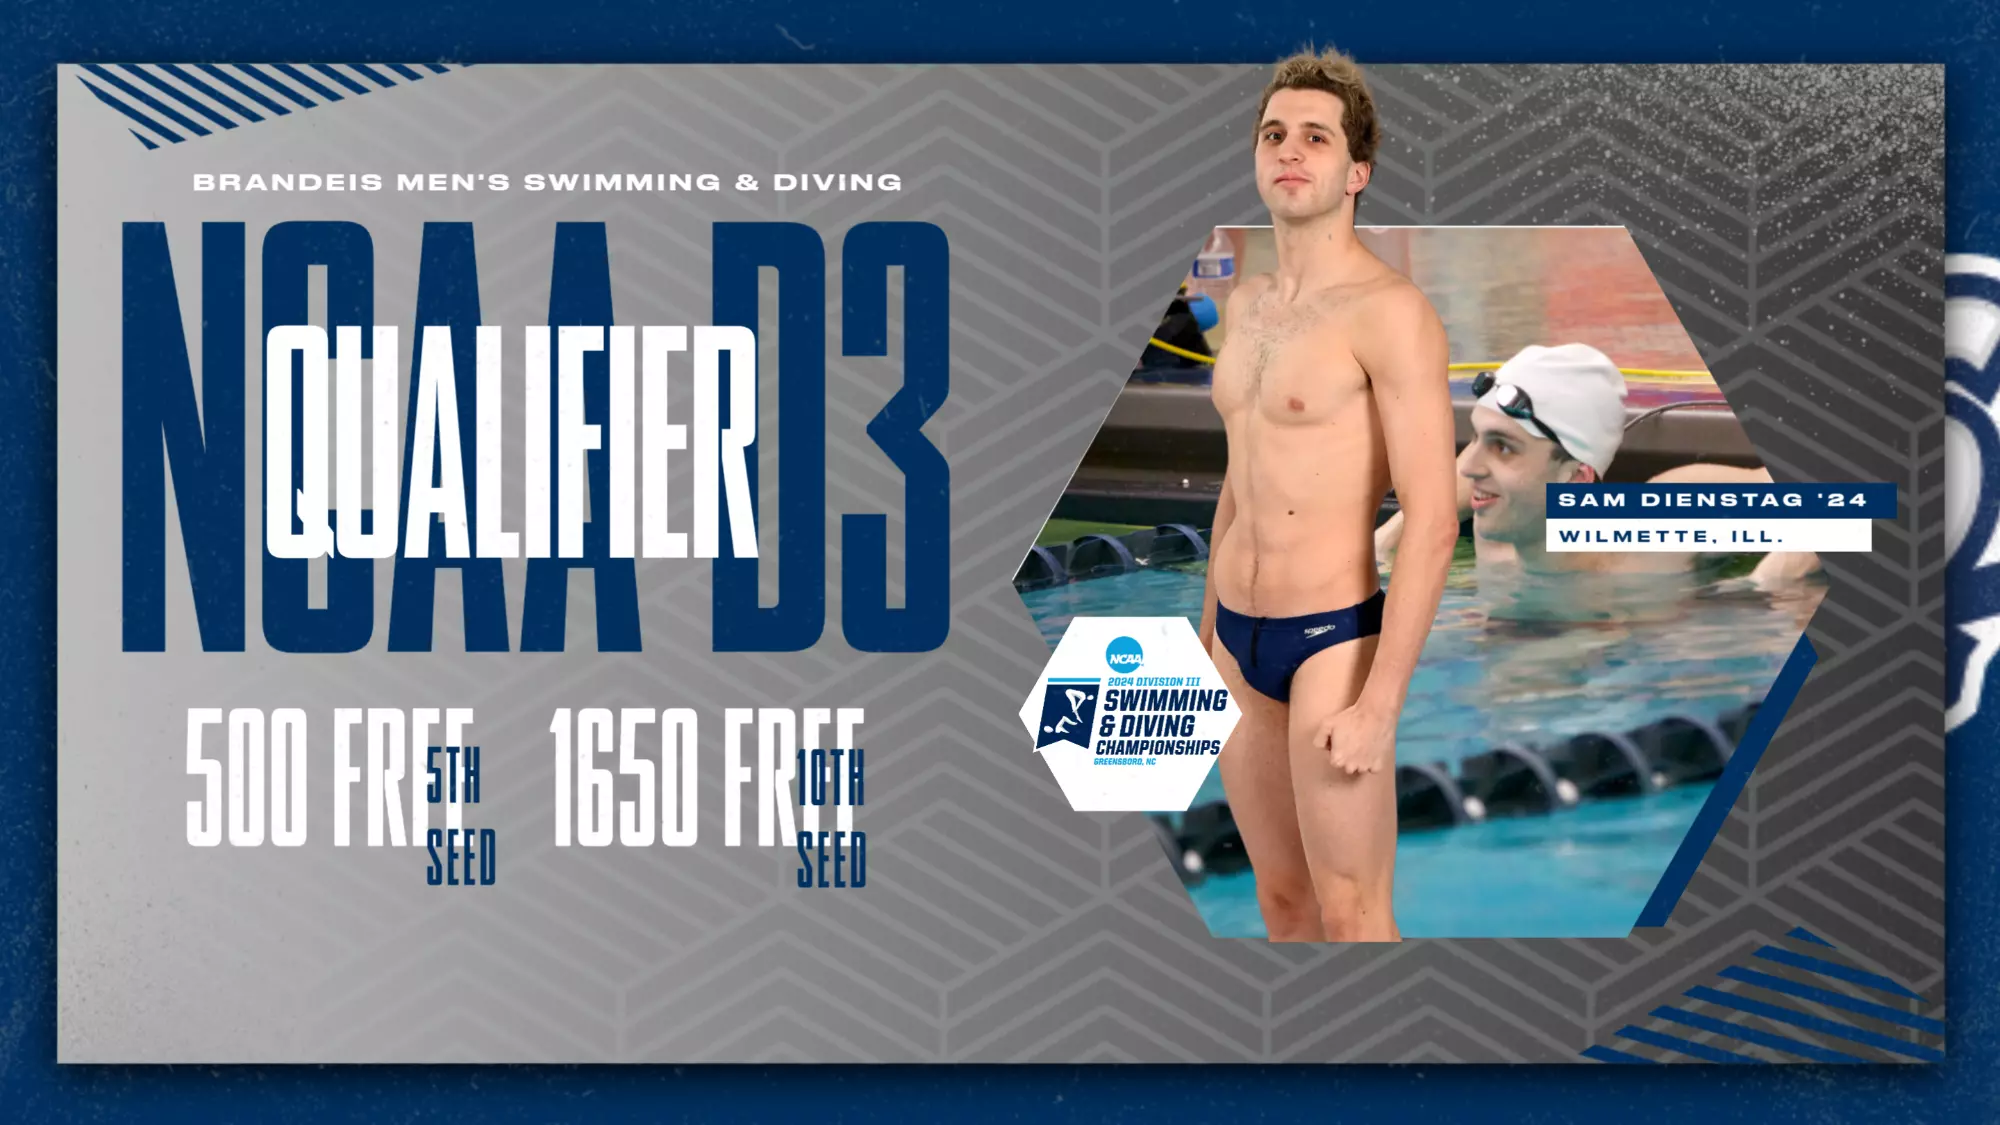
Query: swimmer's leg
<point x="1257" y="779"/>
<point x="1348" y="821"/>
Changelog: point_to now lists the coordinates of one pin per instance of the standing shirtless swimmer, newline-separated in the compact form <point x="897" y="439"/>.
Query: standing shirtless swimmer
<point x="1332" y="384"/>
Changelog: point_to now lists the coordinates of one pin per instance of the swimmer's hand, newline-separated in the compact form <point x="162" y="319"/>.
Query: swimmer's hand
<point x="1358" y="739"/>
<point x="1387" y="537"/>
<point x="1781" y="569"/>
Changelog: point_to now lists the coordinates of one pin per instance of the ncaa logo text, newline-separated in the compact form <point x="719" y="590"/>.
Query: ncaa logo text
<point x="1124" y="655"/>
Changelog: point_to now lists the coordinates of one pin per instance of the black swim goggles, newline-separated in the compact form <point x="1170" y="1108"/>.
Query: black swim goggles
<point x="1515" y="403"/>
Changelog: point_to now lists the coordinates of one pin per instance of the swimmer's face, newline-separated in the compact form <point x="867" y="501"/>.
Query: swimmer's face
<point x="1303" y="170"/>
<point x="1510" y="469"/>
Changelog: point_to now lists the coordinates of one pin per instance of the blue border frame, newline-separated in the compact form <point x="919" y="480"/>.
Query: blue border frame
<point x="46" y="32"/>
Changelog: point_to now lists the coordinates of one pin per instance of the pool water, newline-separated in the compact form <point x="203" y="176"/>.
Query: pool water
<point x="1585" y="872"/>
<point x="1484" y="679"/>
<point x="1633" y="650"/>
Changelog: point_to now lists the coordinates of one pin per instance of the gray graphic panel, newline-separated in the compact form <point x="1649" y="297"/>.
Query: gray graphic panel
<point x="1793" y="216"/>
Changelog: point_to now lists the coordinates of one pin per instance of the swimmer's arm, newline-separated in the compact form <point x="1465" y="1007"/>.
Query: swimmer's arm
<point x="1391" y="532"/>
<point x="1225" y="504"/>
<point x="1405" y="357"/>
<point x="1704" y="473"/>
<point x="1782" y="568"/>
<point x="1776" y="568"/>
<point x="1225" y="514"/>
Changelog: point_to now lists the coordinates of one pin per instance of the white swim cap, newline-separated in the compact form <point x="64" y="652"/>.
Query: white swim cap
<point x="1577" y="392"/>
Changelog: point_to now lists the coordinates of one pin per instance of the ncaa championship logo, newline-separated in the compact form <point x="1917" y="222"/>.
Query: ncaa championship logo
<point x="1972" y="479"/>
<point x="1146" y="736"/>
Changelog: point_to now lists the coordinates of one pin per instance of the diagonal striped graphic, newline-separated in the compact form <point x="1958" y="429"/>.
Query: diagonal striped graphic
<point x="170" y="104"/>
<point x="1804" y="1003"/>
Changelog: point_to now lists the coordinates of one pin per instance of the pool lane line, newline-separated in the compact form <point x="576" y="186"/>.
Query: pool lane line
<point x="1728" y="787"/>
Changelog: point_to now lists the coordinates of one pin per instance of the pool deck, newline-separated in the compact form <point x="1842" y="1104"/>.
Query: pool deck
<point x="1160" y="455"/>
<point x="1705" y="432"/>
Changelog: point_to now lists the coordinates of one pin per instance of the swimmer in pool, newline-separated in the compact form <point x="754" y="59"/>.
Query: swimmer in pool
<point x="1556" y="416"/>
<point x="1331" y="384"/>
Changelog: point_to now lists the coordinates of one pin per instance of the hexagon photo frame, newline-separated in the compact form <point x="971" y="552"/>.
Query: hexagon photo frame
<point x="1557" y="770"/>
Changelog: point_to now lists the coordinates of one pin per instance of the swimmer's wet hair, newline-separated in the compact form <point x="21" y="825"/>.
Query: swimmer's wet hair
<point x="1331" y="72"/>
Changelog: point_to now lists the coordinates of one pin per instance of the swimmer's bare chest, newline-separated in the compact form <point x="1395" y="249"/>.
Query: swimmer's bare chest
<point x="1307" y="466"/>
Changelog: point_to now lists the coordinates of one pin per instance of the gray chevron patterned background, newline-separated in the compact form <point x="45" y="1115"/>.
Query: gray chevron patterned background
<point x="1793" y="215"/>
